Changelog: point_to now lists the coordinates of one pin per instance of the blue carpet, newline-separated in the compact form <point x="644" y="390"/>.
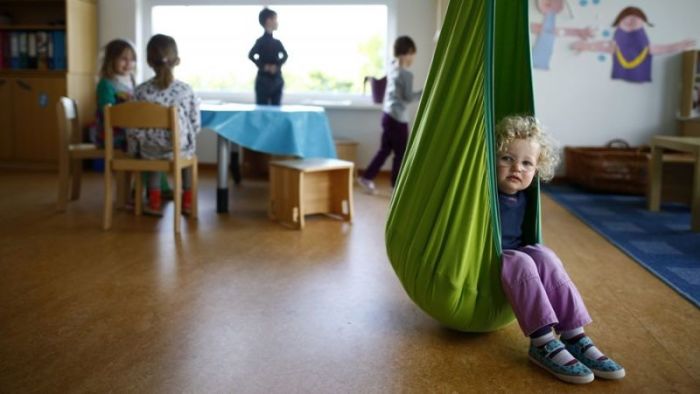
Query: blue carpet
<point x="660" y="241"/>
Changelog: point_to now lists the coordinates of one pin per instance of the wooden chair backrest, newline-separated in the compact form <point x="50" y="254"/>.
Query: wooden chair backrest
<point x="140" y="115"/>
<point x="68" y="122"/>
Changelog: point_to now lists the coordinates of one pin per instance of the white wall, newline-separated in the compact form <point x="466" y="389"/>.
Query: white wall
<point x="581" y="105"/>
<point x="415" y="18"/>
<point x="575" y="99"/>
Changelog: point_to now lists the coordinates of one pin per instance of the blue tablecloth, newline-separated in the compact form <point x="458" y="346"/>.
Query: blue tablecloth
<point x="293" y="130"/>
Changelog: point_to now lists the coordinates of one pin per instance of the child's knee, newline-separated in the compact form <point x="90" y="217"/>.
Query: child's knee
<point x="543" y="256"/>
<point x="517" y="267"/>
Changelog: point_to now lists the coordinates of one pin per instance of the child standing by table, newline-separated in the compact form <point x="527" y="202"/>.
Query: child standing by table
<point x="269" y="55"/>
<point x="399" y="94"/>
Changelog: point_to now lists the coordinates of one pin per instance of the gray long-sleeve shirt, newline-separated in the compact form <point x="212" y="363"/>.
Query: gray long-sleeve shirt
<point x="399" y="93"/>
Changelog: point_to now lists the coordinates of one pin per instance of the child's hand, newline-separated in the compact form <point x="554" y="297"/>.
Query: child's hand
<point x="579" y="46"/>
<point x="270" y="68"/>
<point x="687" y="44"/>
<point x="585" y="33"/>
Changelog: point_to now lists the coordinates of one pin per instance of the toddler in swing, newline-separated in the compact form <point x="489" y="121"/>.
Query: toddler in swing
<point x="544" y="299"/>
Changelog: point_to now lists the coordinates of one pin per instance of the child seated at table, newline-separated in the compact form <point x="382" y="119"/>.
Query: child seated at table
<point x="164" y="89"/>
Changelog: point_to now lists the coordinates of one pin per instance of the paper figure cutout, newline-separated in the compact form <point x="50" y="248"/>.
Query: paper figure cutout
<point x="630" y="47"/>
<point x="547" y="32"/>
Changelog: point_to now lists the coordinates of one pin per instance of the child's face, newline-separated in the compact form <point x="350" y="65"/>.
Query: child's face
<point x="631" y="23"/>
<point x="124" y="64"/>
<point x="271" y="23"/>
<point x="517" y="165"/>
<point x="546" y="6"/>
<point x="407" y="59"/>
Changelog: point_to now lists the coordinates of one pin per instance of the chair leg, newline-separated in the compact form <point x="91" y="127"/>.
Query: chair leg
<point x="77" y="170"/>
<point x="138" y="191"/>
<point x="177" y="197"/>
<point x="63" y="183"/>
<point x="107" y="219"/>
<point x="195" y="189"/>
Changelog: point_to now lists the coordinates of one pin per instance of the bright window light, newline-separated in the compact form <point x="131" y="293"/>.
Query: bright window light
<point x="331" y="47"/>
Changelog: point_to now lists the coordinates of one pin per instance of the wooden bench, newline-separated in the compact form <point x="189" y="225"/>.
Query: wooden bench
<point x="310" y="186"/>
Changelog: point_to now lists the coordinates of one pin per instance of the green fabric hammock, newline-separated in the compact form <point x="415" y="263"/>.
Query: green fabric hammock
<point x="443" y="231"/>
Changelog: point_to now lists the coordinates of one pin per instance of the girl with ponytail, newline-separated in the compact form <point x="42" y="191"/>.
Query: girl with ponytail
<point x="164" y="89"/>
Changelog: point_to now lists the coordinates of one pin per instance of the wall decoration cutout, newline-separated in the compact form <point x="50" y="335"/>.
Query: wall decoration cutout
<point x="43" y="100"/>
<point x="630" y="48"/>
<point x="547" y="31"/>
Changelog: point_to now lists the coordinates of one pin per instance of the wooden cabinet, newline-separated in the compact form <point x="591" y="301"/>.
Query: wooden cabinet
<point x="690" y="94"/>
<point x="29" y="91"/>
<point x="6" y="120"/>
<point x="36" y="128"/>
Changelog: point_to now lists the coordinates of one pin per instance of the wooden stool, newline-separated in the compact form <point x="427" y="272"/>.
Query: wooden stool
<point x="310" y="186"/>
<point x="346" y="149"/>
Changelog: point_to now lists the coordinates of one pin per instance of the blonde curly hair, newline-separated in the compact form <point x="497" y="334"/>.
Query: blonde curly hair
<point x="528" y="127"/>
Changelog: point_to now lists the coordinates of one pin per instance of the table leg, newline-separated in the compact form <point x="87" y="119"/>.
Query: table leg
<point x="222" y="153"/>
<point x="235" y="163"/>
<point x="695" y="202"/>
<point x="654" y="197"/>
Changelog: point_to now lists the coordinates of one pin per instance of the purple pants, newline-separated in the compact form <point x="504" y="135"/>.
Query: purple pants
<point x="540" y="291"/>
<point x="394" y="138"/>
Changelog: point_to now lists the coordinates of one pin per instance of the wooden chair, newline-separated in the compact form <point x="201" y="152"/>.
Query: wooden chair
<point x="139" y="114"/>
<point x="71" y="152"/>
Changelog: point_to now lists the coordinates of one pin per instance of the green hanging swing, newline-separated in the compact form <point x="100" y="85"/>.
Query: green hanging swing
<point x="443" y="231"/>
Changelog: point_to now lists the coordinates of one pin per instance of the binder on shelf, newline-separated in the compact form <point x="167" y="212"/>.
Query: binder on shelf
<point x="42" y="50"/>
<point x="14" y="50"/>
<point x="59" y="49"/>
<point x="23" y="49"/>
<point x="31" y="50"/>
<point x="5" y="49"/>
<point x="2" y="49"/>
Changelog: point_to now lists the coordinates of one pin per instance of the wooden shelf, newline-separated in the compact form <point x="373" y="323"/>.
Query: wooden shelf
<point x="32" y="1"/>
<point x="31" y="73"/>
<point x="32" y="27"/>
<point x="28" y="96"/>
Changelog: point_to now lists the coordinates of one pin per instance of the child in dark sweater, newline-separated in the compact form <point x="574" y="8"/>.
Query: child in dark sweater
<point x="269" y="55"/>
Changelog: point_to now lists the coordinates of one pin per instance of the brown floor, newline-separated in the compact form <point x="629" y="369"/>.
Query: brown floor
<point x="241" y="304"/>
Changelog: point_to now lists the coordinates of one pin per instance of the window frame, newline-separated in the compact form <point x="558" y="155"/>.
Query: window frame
<point x="325" y="99"/>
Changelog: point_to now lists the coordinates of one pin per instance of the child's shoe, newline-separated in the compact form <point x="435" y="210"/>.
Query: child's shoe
<point x="187" y="202"/>
<point x="154" y="203"/>
<point x="367" y="185"/>
<point x="544" y="357"/>
<point x="602" y="366"/>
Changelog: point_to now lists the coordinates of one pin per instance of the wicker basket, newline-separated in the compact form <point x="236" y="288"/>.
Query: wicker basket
<point x="616" y="168"/>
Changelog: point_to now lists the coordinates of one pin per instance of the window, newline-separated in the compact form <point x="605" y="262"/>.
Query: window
<point x="331" y="47"/>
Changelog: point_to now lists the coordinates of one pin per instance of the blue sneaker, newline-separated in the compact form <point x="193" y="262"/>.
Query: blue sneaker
<point x="543" y="356"/>
<point x="606" y="368"/>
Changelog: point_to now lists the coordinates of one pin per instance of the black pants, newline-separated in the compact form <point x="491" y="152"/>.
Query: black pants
<point x="394" y="139"/>
<point x="268" y="89"/>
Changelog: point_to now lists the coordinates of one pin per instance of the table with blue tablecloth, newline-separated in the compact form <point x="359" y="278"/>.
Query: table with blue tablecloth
<point x="290" y="130"/>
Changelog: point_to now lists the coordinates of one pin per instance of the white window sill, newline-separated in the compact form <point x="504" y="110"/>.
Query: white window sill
<point x="342" y="105"/>
<point x="329" y="102"/>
